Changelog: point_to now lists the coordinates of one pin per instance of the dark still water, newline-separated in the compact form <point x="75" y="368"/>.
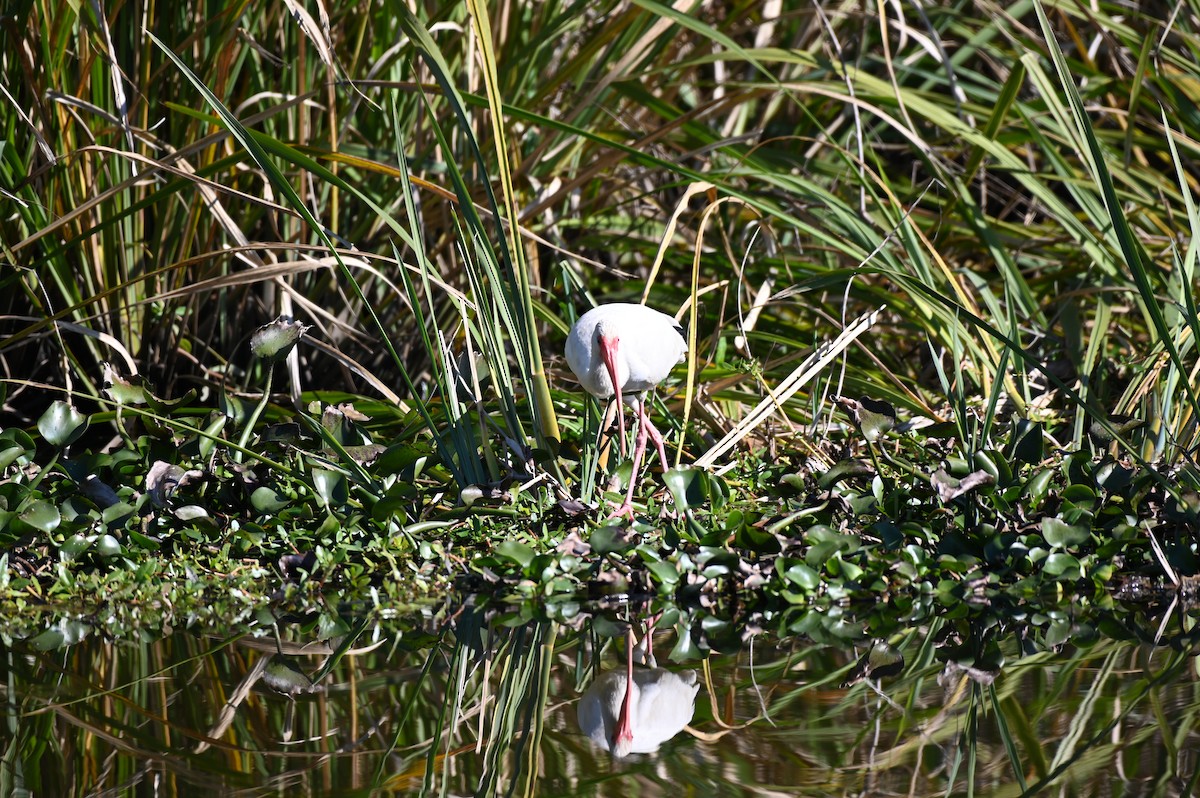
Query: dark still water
<point x="484" y="703"/>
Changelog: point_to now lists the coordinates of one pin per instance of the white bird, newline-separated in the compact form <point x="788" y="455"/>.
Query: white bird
<point x="623" y="350"/>
<point x="637" y="711"/>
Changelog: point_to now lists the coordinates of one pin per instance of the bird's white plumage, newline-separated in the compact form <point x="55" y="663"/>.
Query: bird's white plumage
<point x="649" y="344"/>
<point x="661" y="704"/>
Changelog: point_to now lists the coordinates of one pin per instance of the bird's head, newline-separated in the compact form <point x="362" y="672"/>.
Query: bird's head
<point x="608" y="340"/>
<point x="606" y="334"/>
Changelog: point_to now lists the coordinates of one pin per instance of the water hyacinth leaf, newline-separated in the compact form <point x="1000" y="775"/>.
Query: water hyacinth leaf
<point x="794" y="481"/>
<point x="756" y="540"/>
<point x="73" y="546"/>
<point x="664" y="572"/>
<point x="941" y="429"/>
<point x="289" y="433"/>
<point x="272" y="342"/>
<point x="1113" y="477"/>
<point x="685" y="647"/>
<point x="331" y="625"/>
<point x="1037" y="486"/>
<point x="122" y="390"/>
<point x="159" y="405"/>
<point x="1063" y="566"/>
<point x="268" y="501"/>
<point x="842" y="569"/>
<point x="820" y="553"/>
<point x="14" y="445"/>
<point x="1057" y="633"/>
<point x="873" y="417"/>
<point x="1080" y="495"/>
<point x="890" y="535"/>
<point x="995" y="464"/>
<point x="234" y="407"/>
<point x="1025" y="442"/>
<point x="208" y="443"/>
<point x="1060" y="535"/>
<point x="862" y="504"/>
<point x="844" y="469"/>
<point x="606" y="627"/>
<point x="878" y="420"/>
<point x="543" y="568"/>
<point x="709" y="555"/>
<point x="67" y="632"/>
<point x="61" y="424"/>
<point x="880" y="661"/>
<point x="108" y="546"/>
<point x="718" y="491"/>
<point x="690" y="487"/>
<point x="800" y="574"/>
<point x="1185" y="507"/>
<point x="330" y="486"/>
<point x="190" y="512"/>
<point x="516" y="552"/>
<point x="283" y="675"/>
<point x="42" y="516"/>
<point x="340" y="423"/>
<point x="143" y="541"/>
<point x="610" y="539"/>
<point x="117" y="514"/>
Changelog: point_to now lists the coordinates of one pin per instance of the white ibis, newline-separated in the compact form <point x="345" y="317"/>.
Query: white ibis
<point x="628" y="711"/>
<point x="623" y="350"/>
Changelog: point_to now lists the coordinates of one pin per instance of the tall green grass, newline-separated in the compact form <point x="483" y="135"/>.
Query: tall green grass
<point x="440" y="190"/>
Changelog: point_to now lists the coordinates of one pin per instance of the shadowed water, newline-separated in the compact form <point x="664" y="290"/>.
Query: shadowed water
<point x="474" y="703"/>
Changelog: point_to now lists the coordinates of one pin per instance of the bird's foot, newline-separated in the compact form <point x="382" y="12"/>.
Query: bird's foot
<point x="624" y="510"/>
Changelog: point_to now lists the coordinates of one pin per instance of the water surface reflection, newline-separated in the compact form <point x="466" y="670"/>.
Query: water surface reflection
<point x="489" y="704"/>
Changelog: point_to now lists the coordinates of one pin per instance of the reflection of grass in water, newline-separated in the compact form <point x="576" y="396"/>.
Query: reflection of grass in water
<point x="490" y="712"/>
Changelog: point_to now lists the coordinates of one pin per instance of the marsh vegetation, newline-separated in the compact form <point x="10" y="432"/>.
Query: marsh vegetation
<point x="935" y="266"/>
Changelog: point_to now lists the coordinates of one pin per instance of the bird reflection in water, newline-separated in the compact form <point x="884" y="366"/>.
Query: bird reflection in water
<point x="636" y="711"/>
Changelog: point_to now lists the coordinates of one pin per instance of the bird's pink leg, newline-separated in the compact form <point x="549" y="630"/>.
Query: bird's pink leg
<point x="639" y="450"/>
<point x="657" y="437"/>
<point x="623" y="736"/>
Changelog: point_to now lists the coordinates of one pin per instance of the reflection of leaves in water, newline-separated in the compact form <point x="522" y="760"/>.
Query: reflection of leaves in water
<point x="494" y="715"/>
<point x="283" y="675"/>
<point x="880" y="661"/>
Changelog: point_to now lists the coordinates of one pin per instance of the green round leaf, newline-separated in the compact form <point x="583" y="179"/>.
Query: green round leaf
<point x="73" y="546"/>
<point x="518" y="552"/>
<point x="108" y="546"/>
<point x="1060" y="534"/>
<point x="610" y="539"/>
<point x="273" y="341"/>
<point x="664" y="572"/>
<point x="330" y="486"/>
<point x="267" y="500"/>
<point x="61" y="424"/>
<point x="42" y="515"/>
<point x="802" y="576"/>
<point x="1062" y="565"/>
<point x="689" y="486"/>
